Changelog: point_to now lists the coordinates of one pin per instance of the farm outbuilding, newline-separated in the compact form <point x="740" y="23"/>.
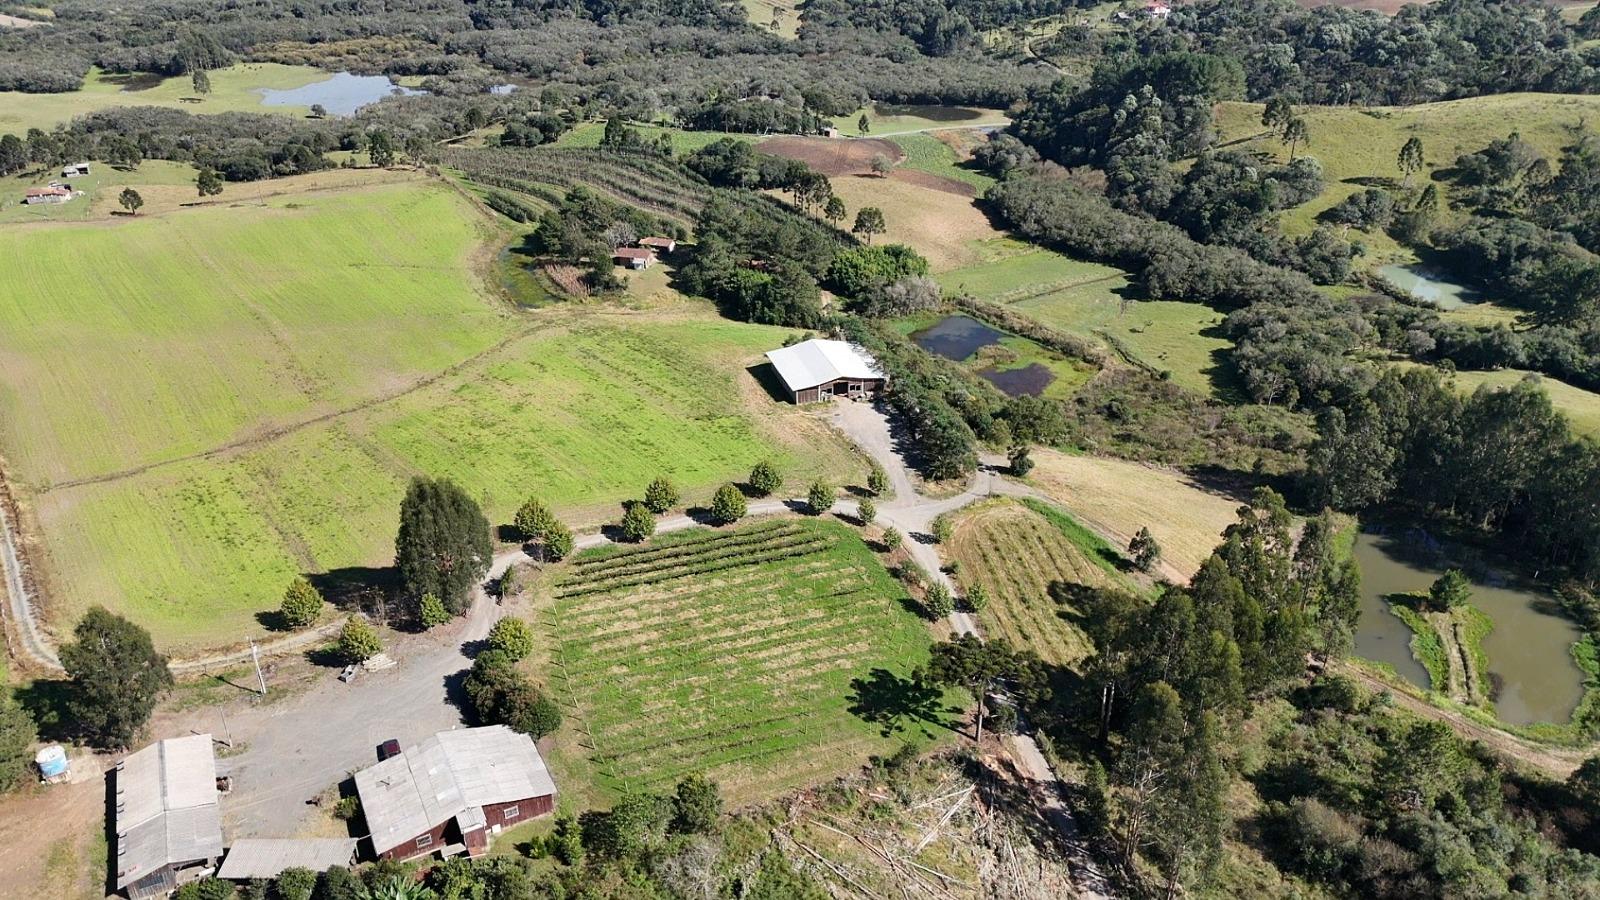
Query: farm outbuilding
<point x="168" y="829"/>
<point x="633" y="257"/>
<point x="454" y="791"/>
<point x="51" y="194"/>
<point x="659" y="244"/>
<point x="250" y="858"/>
<point x="74" y="169"/>
<point x="817" y="369"/>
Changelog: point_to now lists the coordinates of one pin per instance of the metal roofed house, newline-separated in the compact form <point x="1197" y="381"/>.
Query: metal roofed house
<point x="52" y="194"/>
<point x="267" y="857"/>
<point x="168" y="830"/>
<point x="451" y="792"/>
<point x="815" y="369"/>
<point x="633" y="257"/>
<point x="658" y="244"/>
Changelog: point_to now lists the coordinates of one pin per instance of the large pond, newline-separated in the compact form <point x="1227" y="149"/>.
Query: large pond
<point x="1529" y="650"/>
<point x="959" y="337"/>
<point x="1426" y="283"/>
<point x="340" y="94"/>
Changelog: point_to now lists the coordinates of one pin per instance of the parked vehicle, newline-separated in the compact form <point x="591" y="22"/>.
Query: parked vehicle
<point x="388" y="748"/>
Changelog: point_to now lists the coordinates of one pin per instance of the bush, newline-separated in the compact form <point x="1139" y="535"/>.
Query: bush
<point x="697" y="804"/>
<point x="764" y="479"/>
<point x="558" y="543"/>
<point x="977" y="598"/>
<point x="878" y="480"/>
<point x="566" y="841"/>
<point x="512" y="637"/>
<point x="533" y="519"/>
<point x="661" y="495"/>
<point x="868" y="509"/>
<point x="431" y="611"/>
<point x="728" y="505"/>
<point x="358" y="641"/>
<point x="938" y="601"/>
<point x="498" y="694"/>
<point x="207" y="888"/>
<point x="347" y="808"/>
<point x="295" y="883"/>
<point x="1021" y="462"/>
<point x="820" y="497"/>
<point x="892" y="539"/>
<point x="942" y="528"/>
<point x="302" y="605"/>
<point x="637" y="523"/>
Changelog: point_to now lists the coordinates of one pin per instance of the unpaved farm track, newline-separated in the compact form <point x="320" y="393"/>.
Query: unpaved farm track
<point x="21" y="601"/>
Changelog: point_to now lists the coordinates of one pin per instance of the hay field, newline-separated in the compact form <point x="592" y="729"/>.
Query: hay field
<point x="945" y="227"/>
<point x="216" y="400"/>
<point x="887" y="119"/>
<point x="1098" y="301"/>
<point x="1117" y="497"/>
<point x="1016" y="554"/>
<point x="232" y="90"/>
<point x="731" y="652"/>
<point x="1363" y="143"/>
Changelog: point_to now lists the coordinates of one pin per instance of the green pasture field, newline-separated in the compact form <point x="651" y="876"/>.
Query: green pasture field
<point x="102" y="179"/>
<point x="762" y="12"/>
<point x="887" y="120"/>
<point x="1016" y="554"/>
<point x="248" y="390"/>
<point x="232" y="90"/>
<point x="588" y="134"/>
<point x="1582" y="408"/>
<point x="1088" y="299"/>
<point x="926" y="153"/>
<point x="736" y="653"/>
<point x="1354" y="143"/>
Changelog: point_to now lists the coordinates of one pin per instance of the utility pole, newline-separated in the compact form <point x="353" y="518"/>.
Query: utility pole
<point x="255" y="656"/>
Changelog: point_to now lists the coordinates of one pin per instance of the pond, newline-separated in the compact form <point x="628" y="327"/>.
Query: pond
<point x="959" y="337"/>
<point x="1426" y="283"/>
<point x="1031" y="380"/>
<point x="340" y="94"/>
<point x="1529" y="650"/>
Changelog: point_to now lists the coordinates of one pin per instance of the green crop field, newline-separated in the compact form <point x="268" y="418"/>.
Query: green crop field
<point x="319" y="350"/>
<point x="1354" y="143"/>
<point x="1092" y="300"/>
<point x="232" y="90"/>
<point x="886" y="119"/>
<point x="734" y="653"/>
<point x="926" y="153"/>
<point x="1016" y="554"/>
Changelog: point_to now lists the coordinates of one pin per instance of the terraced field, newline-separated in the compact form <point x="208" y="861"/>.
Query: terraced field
<point x="1016" y="553"/>
<point x="730" y="652"/>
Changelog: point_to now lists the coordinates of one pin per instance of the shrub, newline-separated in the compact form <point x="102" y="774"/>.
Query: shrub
<point x="942" y="528"/>
<point x="661" y="495"/>
<point x="637" y="523"/>
<point x="878" y="480"/>
<point x="820" y="497"/>
<point x="431" y="611"/>
<point x="566" y="842"/>
<point x="358" y="641"/>
<point x="558" y="543"/>
<point x="510" y="583"/>
<point x="764" y="479"/>
<point x="892" y="539"/>
<point x="868" y="509"/>
<point x="498" y="694"/>
<point x="697" y="804"/>
<point x="938" y="601"/>
<point x="295" y="883"/>
<point x="512" y="637"/>
<point x="977" y="598"/>
<point x="728" y="505"/>
<point x="533" y="519"/>
<point x="207" y="888"/>
<point x="302" y="605"/>
<point x="1021" y="462"/>
<point x="347" y="808"/>
<point x="1450" y="590"/>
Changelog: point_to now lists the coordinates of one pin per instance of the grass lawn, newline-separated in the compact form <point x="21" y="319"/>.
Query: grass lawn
<point x="753" y="654"/>
<point x="886" y="119"/>
<point x="232" y="90"/>
<point x="1356" y="143"/>
<point x="319" y="350"/>
<point x="763" y="13"/>
<point x="1581" y="407"/>
<point x="1016" y="553"/>
<point x="1088" y="299"/>
<point x="928" y="153"/>
<point x="1117" y="497"/>
<point x="588" y="134"/>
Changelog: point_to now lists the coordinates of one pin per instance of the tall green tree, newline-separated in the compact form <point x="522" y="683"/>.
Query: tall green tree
<point x="208" y="183"/>
<point x="117" y="677"/>
<point x="17" y="736"/>
<point x="1450" y="590"/>
<point x="1276" y="114"/>
<point x="697" y="804"/>
<point x="869" y="222"/>
<point x="1295" y="133"/>
<point x="1410" y="159"/>
<point x="130" y="200"/>
<point x="380" y="149"/>
<point x="443" y="545"/>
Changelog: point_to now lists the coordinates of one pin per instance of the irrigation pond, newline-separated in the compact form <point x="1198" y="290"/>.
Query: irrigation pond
<point x="340" y="94"/>
<point x="1529" y="651"/>
<point x="1427" y="283"/>
<point x="961" y="338"/>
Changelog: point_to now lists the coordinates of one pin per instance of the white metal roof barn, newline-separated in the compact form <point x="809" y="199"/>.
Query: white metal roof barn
<point x="814" y="369"/>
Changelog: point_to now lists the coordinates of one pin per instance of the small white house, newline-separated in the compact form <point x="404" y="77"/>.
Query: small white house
<point x="663" y="245"/>
<point x="74" y="170"/>
<point x="51" y="194"/>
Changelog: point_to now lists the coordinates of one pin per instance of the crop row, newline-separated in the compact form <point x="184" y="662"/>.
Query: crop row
<point x="669" y="563"/>
<point x="599" y="616"/>
<point x="778" y="553"/>
<point x="586" y="562"/>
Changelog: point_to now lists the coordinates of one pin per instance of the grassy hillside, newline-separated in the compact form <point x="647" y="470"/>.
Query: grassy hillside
<point x="1581" y="407"/>
<point x="232" y="90"/>
<point x="319" y="351"/>
<point x="766" y="656"/>
<point x="1357" y="144"/>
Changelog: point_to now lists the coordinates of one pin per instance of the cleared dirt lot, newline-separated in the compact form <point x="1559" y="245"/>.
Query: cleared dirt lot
<point x="832" y="156"/>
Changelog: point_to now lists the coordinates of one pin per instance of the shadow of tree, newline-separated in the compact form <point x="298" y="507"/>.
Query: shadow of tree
<point x="889" y="701"/>
<point x="46" y="703"/>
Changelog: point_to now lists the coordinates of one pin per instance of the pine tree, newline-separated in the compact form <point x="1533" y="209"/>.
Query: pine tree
<point x="302" y="604"/>
<point x="877" y="480"/>
<point x="637" y="523"/>
<point x="358" y="641"/>
<point x="728" y="505"/>
<point x="764" y="479"/>
<point x="431" y="611"/>
<point x="661" y="495"/>
<point x="820" y="497"/>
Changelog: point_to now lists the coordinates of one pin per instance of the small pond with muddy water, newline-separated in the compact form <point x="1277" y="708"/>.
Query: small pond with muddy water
<point x="960" y="338"/>
<point x="1529" y="651"/>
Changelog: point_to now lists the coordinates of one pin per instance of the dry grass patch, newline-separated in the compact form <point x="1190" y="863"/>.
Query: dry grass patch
<point x="941" y="225"/>
<point x="1016" y="554"/>
<point x="1117" y="498"/>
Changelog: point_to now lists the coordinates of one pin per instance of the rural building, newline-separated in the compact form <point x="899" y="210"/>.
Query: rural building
<point x="168" y="831"/>
<point x="74" y="170"/>
<point x="633" y="257"/>
<point x="658" y="244"/>
<point x="452" y="792"/>
<point x="267" y="857"/>
<point x="51" y="194"/>
<point x="814" y="370"/>
<point x="828" y="131"/>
